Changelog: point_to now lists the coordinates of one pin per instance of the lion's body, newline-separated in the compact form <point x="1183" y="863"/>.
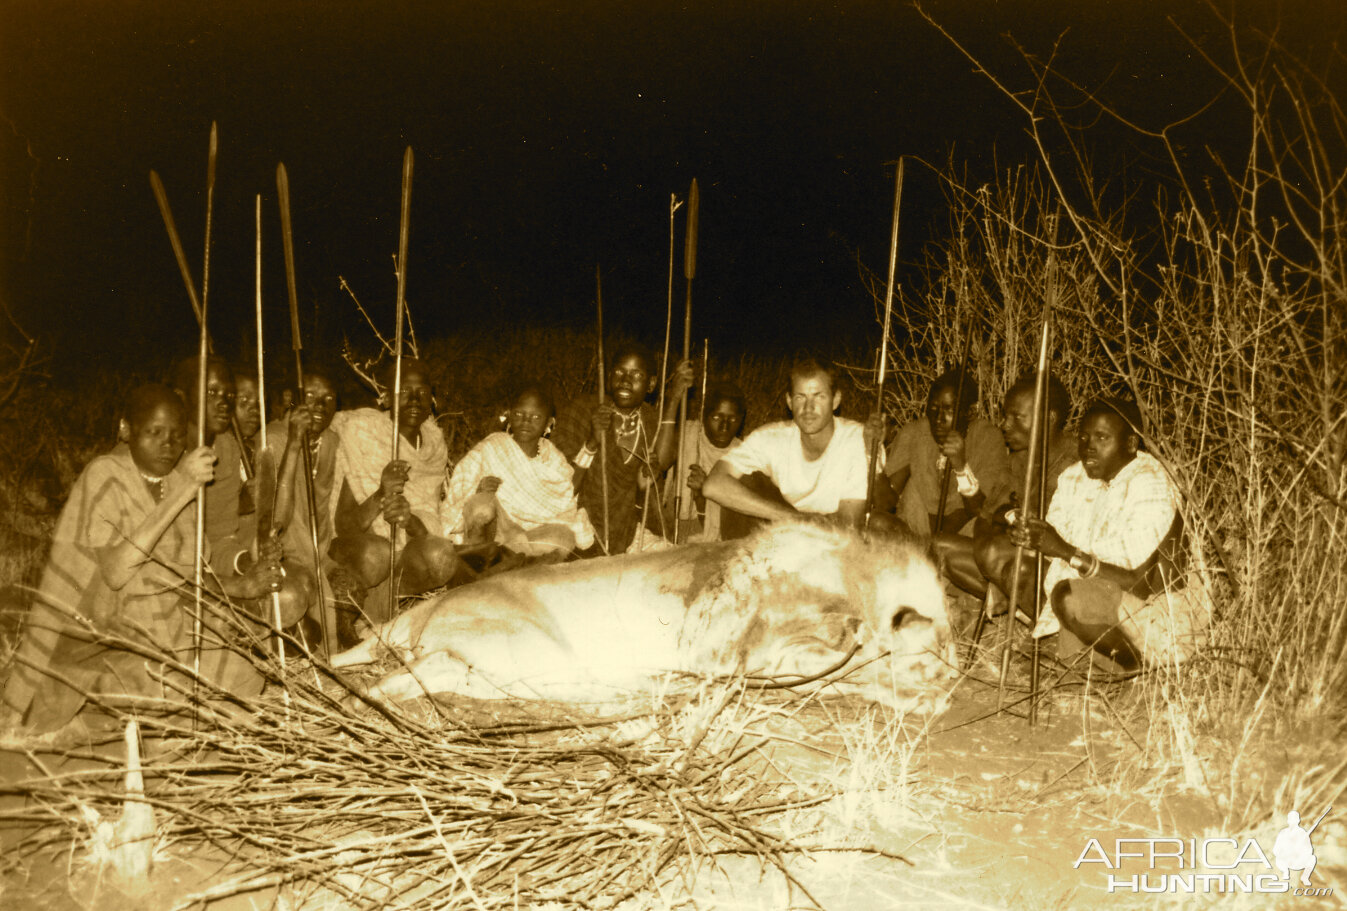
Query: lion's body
<point x="792" y="599"/>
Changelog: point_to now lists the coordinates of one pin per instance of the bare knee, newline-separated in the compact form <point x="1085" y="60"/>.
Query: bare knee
<point x="364" y="555"/>
<point x="292" y="600"/>
<point x="991" y="553"/>
<point x="427" y="562"/>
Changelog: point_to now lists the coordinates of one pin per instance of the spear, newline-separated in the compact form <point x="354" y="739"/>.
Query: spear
<point x="327" y="625"/>
<point x="882" y="370"/>
<point x="603" y="440"/>
<point x="689" y="273"/>
<point x="403" y="229"/>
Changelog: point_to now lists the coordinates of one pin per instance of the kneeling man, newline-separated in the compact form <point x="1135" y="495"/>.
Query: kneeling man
<point x="378" y="495"/>
<point x="815" y="463"/>
<point x="1112" y="531"/>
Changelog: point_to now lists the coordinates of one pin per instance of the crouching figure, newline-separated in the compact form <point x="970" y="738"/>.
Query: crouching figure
<point x="794" y="599"/>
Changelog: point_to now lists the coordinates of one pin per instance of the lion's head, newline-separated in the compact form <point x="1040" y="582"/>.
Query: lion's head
<point x="796" y="598"/>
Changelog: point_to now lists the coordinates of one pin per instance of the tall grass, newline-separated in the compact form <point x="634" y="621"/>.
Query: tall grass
<point x="1215" y="293"/>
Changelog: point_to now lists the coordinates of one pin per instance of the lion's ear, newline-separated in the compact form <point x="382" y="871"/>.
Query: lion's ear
<point x="839" y="631"/>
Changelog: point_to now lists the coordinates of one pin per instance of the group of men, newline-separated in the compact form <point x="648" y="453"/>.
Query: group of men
<point x="551" y="486"/>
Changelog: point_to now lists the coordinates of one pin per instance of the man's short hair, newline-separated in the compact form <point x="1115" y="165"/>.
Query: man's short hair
<point x="142" y="401"/>
<point x="1126" y="409"/>
<point x="243" y="372"/>
<point x="185" y="371"/>
<point x="1059" y="400"/>
<point x="807" y="366"/>
<point x="950" y="380"/>
<point x="726" y="392"/>
<point x="636" y="349"/>
<point x="384" y="375"/>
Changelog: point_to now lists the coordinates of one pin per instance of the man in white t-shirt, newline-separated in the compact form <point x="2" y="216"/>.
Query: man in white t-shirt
<point x="817" y="461"/>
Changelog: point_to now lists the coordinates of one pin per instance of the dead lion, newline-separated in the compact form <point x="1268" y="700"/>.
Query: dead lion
<point x="794" y="599"/>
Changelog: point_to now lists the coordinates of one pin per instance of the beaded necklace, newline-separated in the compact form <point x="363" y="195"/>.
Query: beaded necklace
<point x="628" y="425"/>
<point x="154" y="485"/>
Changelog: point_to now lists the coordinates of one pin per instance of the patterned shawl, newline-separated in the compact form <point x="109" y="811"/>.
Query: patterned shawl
<point x="365" y="447"/>
<point x="533" y="492"/>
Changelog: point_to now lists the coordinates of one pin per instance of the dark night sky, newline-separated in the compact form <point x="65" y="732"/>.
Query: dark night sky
<point x="547" y="136"/>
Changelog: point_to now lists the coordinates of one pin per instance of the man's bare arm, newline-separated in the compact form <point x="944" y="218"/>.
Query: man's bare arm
<point x="725" y="488"/>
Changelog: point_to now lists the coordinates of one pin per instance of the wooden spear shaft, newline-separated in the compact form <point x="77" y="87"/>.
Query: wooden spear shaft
<point x="203" y="352"/>
<point x="1036" y="438"/>
<point x="882" y="372"/>
<point x="327" y="621"/>
<point x="689" y="273"/>
<point x="674" y="204"/>
<point x="161" y="197"/>
<point x="603" y="438"/>
<point x="404" y="227"/>
<point x="264" y="533"/>
<point x="1041" y="413"/>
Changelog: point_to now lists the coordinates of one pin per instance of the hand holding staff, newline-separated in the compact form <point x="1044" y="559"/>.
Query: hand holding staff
<point x="878" y="441"/>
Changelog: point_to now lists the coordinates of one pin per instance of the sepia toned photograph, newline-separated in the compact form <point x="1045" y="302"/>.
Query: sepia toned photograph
<point x="678" y="456"/>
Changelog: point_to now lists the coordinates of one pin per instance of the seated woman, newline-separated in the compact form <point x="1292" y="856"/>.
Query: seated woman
<point x="116" y="588"/>
<point x="521" y="482"/>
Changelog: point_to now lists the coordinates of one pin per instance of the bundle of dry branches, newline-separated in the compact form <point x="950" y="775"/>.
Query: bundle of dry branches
<point x="438" y="805"/>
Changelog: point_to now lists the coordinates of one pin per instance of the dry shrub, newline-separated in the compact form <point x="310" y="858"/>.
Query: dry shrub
<point x="1219" y="306"/>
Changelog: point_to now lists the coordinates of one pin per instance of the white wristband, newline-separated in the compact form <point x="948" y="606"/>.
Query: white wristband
<point x="967" y="482"/>
<point x="584" y="458"/>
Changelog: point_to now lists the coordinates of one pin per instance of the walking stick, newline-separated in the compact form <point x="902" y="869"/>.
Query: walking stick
<point x="689" y="273"/>
<point x="327" y="625"/>
<point x="603" y="393"/>
<point x="161" y="197"/>
<point x="265" y="463"/>
<point x="1036" y="439"/>
<point x="203" y="350"/>
<point x="403" y="228"/>
<point x="1041" y="415"/>
<point x="674" y="206"/>
<point x="882" y="371"/>
<point x="960" y="424"/>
